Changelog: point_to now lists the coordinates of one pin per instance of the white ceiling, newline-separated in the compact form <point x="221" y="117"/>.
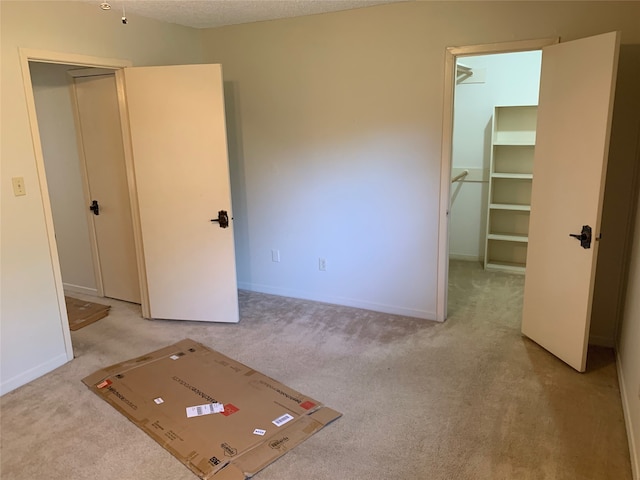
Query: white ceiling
<point x="216" y="13"/>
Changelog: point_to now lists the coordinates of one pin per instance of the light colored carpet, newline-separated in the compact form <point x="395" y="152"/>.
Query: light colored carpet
<point x="467" y="399"/>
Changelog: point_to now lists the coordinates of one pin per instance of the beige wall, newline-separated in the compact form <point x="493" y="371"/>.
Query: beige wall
<point x="335" y="124"/>
<point x="629" y="338"/>
<point x="32" y="339"/>
<point x="335" y="129"/>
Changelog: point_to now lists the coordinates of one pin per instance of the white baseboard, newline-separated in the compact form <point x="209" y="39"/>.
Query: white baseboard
<point x="347" y="302"/>
<point x="33" y="373"/>
<point x="625" y="394"/>
<point x="466" y="258"/>
<point x="68" y="287"/>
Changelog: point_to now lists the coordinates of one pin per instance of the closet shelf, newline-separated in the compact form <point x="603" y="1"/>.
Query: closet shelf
<point x="510" y="206"/>
<point x="511" y="173"/>
<point x="508" y="237"/>
<point x="523" y="176"/>
<point x="516" y="140"/>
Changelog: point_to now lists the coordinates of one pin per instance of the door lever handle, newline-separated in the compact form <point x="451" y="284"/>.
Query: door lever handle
<point x="584" y="236"/>
<point x="94" y="207"/>
<point x="223" y="219"/>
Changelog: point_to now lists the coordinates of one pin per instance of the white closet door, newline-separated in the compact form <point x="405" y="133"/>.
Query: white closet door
<point x="96" y="100"/>
<point x="572" y="145"/>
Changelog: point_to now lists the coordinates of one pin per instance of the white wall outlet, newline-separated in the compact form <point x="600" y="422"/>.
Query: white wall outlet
<point x="322" y="265"/>
<point x="275" y="255"/>
<point x="18" y="186"/>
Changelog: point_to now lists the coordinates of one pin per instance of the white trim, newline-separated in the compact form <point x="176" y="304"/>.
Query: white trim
<point x="465" y="258"/>
<point x="46" y="202"/>
<point x="502" y="47"/>
<point x="33" y="373"/>
<point x="442" y="266"/>
<point x="133" y="193"/>
<point x="46" y="56"/>
<point x="90" y="72"/>
<point x="626" y="410"/>
<point x="30" y="55"/>
<point x="451" y="56"/>
<point x="70" y="288"/>
<point x="340" y="301"/>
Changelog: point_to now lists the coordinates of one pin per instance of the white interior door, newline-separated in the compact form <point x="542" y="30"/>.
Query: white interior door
<point x="179" y="149"/>
<point x="102" y="151"/>
<point x="574" y="118"/>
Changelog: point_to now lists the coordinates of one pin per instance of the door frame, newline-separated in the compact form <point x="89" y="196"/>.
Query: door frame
<point x="43" y="56"/>
<point x="451" y="57"/>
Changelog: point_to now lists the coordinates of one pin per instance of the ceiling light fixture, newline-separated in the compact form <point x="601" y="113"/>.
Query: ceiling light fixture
<point x="105" y="6"/>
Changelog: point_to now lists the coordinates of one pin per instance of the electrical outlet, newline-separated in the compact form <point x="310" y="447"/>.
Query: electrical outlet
<point x="18" y="186"/>
<point x="322" y="265"/>
<point x="275" y="255"/>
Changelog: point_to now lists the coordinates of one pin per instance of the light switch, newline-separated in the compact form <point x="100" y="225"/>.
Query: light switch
<point x="18" y="186"/>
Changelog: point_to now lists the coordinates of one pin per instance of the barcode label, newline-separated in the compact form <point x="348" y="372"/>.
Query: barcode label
<point x="259" y="431"/>
<point x="206" y="409"/>
<point x="158" y="400"/>
<point x="278" y="422"/>
<point x="174" y="357"/>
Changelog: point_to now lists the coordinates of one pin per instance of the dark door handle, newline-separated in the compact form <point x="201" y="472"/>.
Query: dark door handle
<point x="94" y="207"/>
<point x="584" y="236"/>
<point x="223" y="219"/>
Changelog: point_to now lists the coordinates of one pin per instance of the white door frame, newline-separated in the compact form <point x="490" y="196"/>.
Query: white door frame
<point x="43" y="56"/>
<point x="451" y="56"/>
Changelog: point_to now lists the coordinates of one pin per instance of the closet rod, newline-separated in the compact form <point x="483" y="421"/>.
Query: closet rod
<point x="460" y="176"/>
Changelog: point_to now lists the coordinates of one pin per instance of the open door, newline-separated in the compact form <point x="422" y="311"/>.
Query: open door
<point x="179" y="149"/>
<point x="107" y="195"/>
<point x="574" y="119"/>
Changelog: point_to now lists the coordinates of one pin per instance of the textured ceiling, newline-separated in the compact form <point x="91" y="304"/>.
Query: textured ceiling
<point x="216" y="13"/>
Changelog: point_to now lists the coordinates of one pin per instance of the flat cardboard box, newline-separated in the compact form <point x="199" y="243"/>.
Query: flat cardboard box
<point x="262" y="418"/>
<point x="83" y="313"/>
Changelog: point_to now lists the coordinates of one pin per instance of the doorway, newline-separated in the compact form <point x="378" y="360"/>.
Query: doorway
<point x="79" y="124"/>
<point x="29" y="57"/>
<point x="484" y="85"/>
<point x="185" y="257"/>
<point x="453" y="55"/>
<point x="561" y="200"/>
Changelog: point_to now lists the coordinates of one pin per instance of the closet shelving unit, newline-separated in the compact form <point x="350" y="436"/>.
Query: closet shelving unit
<point x="511" y="173"/>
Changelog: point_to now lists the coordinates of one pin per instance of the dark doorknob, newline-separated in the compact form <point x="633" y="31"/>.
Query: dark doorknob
<point x="94" y="207"/>
<point x="584" y="236"/>
<point x="223" y="219"/>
